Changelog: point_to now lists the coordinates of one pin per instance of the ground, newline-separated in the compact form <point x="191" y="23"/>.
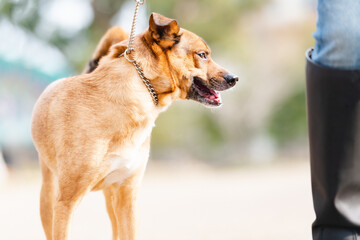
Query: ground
<point x="186" y="202"/>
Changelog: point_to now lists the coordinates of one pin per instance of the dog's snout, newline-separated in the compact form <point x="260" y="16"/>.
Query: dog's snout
<point x="231" y="79"/>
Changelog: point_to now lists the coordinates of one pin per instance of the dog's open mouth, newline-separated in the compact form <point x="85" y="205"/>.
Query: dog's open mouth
<point x="200" y="92"/>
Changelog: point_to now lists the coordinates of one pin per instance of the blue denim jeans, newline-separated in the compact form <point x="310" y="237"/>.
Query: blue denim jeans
<point x="338" y="34"/>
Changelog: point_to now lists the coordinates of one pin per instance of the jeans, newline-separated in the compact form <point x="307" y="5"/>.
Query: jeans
<point x="338" y="34"/>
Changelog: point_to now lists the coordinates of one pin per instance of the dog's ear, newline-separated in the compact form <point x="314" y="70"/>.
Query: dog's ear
<point x="113" y="36"/>
<point x="91" y="66"/>
<point x="117" y="49"/>
<point x="163" y="30"/>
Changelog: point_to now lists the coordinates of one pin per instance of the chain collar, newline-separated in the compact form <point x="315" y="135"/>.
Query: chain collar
<point x="130" y="48"/>
<point x="145" y="80"/>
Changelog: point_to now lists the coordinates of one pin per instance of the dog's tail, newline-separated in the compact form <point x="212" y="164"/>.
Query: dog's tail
<point x="113" y="35"/>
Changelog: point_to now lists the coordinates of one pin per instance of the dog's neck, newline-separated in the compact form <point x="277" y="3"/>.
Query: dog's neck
<point x="120" y="78"/>
<point x="122" y="85"/>
<point x="156" y="68"/>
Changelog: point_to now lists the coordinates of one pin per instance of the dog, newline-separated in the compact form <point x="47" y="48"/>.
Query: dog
<point x="92" y="131"/>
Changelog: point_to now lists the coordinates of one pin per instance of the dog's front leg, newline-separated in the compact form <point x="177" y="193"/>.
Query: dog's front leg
<point x="110" y="194"/>
<point x="125" y="204"/>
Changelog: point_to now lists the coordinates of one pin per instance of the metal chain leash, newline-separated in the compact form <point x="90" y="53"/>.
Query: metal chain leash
<point x="130" y="49"/>
<point x="133" y="26"/>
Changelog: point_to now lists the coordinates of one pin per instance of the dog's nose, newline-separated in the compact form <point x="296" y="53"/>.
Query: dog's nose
<point x="231" y="79"/>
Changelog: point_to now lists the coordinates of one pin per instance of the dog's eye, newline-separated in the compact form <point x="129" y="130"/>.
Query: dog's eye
<point x="202" y="55"/>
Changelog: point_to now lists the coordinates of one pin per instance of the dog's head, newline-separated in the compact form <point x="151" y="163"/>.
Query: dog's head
<point x="185" y="59"/>
<point x="177" y="62"/>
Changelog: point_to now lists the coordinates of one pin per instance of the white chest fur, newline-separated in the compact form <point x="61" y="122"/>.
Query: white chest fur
<point x="126" y="160"/>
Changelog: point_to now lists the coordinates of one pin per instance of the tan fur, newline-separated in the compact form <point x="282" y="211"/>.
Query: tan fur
<point x="92" y="131"/>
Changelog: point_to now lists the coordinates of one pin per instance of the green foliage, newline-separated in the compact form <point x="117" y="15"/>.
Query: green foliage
<point x="26" y="13"/>
<point x="288" y="122"/>
<point x="213" y="20"/>
<point x="211" y="126"/>
<point x="195" y="130"/>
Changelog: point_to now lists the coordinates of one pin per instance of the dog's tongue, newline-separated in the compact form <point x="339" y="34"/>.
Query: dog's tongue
<point x="208" y="93"/>
<point x="215" y="96"/>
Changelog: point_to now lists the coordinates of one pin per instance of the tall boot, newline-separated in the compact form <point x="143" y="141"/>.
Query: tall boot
<point x="333" y="98"/>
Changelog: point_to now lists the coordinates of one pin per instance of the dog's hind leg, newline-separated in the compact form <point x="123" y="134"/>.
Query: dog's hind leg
<point x="72" y="189"/>
<point x="110" y="198"/>
<point x="47" y="198"/>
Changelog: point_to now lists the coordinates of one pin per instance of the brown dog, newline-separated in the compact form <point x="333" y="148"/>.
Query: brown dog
<point x="92" y="131"/>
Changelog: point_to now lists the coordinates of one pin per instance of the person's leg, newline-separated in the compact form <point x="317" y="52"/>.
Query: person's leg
<point x="338" y="34"/>
<point x="333" y="96"/>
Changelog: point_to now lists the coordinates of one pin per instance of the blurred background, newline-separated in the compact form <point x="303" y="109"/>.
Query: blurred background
<point x="236" y="172"/>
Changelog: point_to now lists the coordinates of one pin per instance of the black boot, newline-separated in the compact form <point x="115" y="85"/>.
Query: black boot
<point x="333" y="98"/>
